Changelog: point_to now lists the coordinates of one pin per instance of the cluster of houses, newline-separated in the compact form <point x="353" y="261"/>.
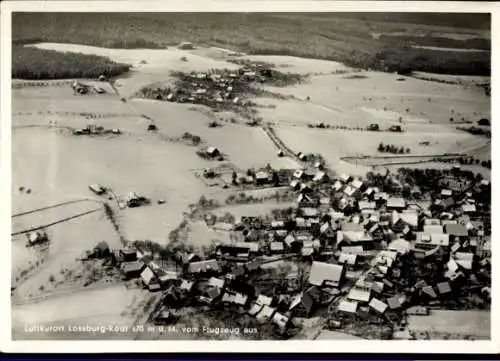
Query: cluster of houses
<point x="81" y="88"/>
<point x="369" y="251"/>
<point x="93" y="129"/>
<point x="216" y="88"/>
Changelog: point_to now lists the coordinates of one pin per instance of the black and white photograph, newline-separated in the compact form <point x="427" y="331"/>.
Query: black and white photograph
<point x="242" y="175"/>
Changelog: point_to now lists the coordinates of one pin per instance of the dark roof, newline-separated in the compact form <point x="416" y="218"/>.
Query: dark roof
<point x="310" y="298"/>
<point x="443" y="287"/>
<point x="134" y="266"/>
<point x="456" y="230"/>
<point x="448" y="202"/>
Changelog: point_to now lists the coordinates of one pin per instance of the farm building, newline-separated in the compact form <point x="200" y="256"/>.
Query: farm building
<point x="186" y="45"/>
<point x="36" y="237"/>
<point x="132" y="269"/>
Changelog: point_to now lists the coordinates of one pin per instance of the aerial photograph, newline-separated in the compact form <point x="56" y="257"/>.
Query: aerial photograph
<point x="251" y="176"/>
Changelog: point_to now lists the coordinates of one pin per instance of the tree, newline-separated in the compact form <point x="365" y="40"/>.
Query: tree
<point x="408" y="150"/>
<point x="401" y="150"/>
<point x="484" y="122"/>
<point x="381" y="147"/>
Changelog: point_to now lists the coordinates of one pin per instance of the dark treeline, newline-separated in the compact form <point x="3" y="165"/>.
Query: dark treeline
<point x="33" y="63"/>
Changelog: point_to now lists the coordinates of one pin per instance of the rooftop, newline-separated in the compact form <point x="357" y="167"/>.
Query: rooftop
<point x="321" y="272"/>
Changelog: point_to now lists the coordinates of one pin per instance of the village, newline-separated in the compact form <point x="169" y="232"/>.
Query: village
<point x="369" y="257"/>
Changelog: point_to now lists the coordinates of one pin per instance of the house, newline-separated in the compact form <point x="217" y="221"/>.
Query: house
<point x="210" y="265"/>
<point x="396" y="302"/>
<point x="348" y="259"/>
<point x="309" y="212"/>
<point x="320" y="177"/>
<point x="167" y="278"/>
<point x="355" y="238"/>
<point x="186" y="46"/>
<point x="253" y="247"/>
<point x="306" y="302"/>
<point x="128" y="255"/>
<point x="366" y="206"/>
<point x="149" y="279"/>
<point x="132" y="269"/>
<point x="277" y="225"/>
<point x="456" y="230"/>
<point x="433" y="229"/>
<point x="337" y="186"/>
<point x="352" y="227"/>
<point x="429" y="292"/>
<point x="418" y="311"/>
<point x="352" y="249"/>
<point x="386" y="258"/>
<point x="239" y="250"/>
<point x="299" y="174"/>
<point x="360" y="293"/>
<point x="264" y="300"/>
<point x="350" y="191"/>
<point x="255" y="309"/>
<point x="280" y="320"/>
<point x="348" y="306"/>
<point x="464" y="259"/>
<point x="305" y="200"/>
<point x="101" y="250"/>
<point x="186" y="286"/>
<point x="345" y="178"/>
<point x="430" y="241"/>
<point x="235" y="298"/>
<point x="325" y="274"/>
<point x="277" y="247"/>
<point x="400" y="245"/>
<point x="292" y="243"/>
<point x="410" y="218"/>
<point x="187" y="258"/>
<point x="285" y="176"/>
<point x="262" y="177"/>
<point x="447" y="203"/>
<point x="216" y="282"/>
<point x="443" y="288"/>
<point x="357" y="184"/>
<point x="378" y="305"/>
<point x="266" y="313"/>
<point x="396" y="204"/>
<point x="446" y="193"/>
<point x="211" y="295"/>
<point x="432" y="222"/>
<point x="212" y="152"/>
